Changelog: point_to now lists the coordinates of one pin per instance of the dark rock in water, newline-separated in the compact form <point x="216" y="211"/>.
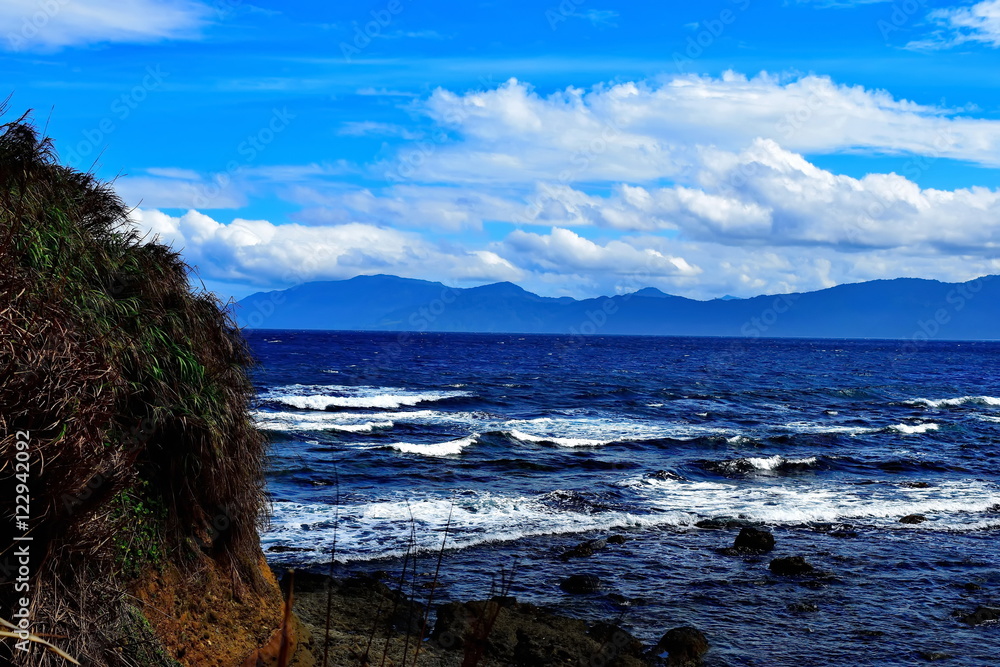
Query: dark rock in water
<point x="281" y="548"/>
<point x="584" y="549"/>
<point x="578" y="584"/>
<point x="722" y="524"/>
<point x="869" y="634"/>
<point x="844" y="534"/>
<point x="617" y="539"/>
<point x="685" y="646"/>
<point x="917" y="485"/>
<point x="971" y="587"/>
<point x="790" y="567"/>
<point x="523" y="635"/>
<point x="802" y="607"/>
<point x="982" y="615"/>
<point x="934" y="656"/>
<point x="664" y="474"/>
<point x="913" y="518"/>
<point x="751" y="541"/>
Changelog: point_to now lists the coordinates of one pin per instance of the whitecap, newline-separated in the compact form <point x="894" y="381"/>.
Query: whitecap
<point x="450" y="448"/>
<point x="913" y="429"/>
<point x="954" y="505"/>
<point x="321" y="397"/>
<point x="312" y="421"/>
<point x="812" y="427"/>
<point x="381" y="528"/>
<point x="562" y="442"/>
<point x="955" y="402"/>
<point x="763" y="464"/>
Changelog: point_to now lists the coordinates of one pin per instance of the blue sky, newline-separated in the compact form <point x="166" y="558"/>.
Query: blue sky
<point x="580" y="148"/>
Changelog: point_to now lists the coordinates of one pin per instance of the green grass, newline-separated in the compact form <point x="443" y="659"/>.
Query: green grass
<point x="101" y="331"/>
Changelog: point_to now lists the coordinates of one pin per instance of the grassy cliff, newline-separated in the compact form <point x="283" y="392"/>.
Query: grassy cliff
<point x="127" y="391"/>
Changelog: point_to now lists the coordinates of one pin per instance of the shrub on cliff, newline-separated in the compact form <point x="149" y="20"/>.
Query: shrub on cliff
<point x="131" y="389"/>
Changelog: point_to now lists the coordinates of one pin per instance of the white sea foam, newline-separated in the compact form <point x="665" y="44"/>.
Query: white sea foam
<point x="955" y="402"/>
<point x="763" y="464"/>
<point x="313" y="421"/>
<point x="988" y="418"/>
<point x="562" y="442"/>
<point x="595" y="431"/>
<point x="382" y="528"/>
<point x="450" y="448"/>
<point x="813" y="427"/>
<point x="950" y="505"/>
<point x="912" y="429"/>
<point x="321" y="397"/>
<point x="777" y="461"/>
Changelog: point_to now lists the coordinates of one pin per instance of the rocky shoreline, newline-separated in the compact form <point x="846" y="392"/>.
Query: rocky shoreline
<point x="372" y="622"/>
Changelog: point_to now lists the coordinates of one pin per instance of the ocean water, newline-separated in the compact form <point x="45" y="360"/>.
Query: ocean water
<point x="527" y="445"/>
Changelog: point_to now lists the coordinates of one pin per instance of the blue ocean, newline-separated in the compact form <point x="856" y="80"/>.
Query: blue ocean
<point x="525" y="446"/>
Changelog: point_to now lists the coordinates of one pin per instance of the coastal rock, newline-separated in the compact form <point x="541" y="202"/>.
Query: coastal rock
<point x="617" y="539"/>
<point x="913" y="518"/>
<point x="523" y="635"/>
<point x="934" y="656"/>
<point x="685" y="646"/>
<point x="281" y="548"/>
<point x="579" y="584"/>
<point x="982" y="615"/>
<point x="790" y="566"/>
<point x="751" y="542"/>
<point x="721" y="524"/>
<point x="585" y="549"/>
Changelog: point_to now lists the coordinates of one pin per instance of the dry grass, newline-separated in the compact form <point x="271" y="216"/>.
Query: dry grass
<point x="133" y="388"/>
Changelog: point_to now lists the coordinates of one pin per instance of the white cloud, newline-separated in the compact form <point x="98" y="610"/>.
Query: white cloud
<point x="700" y="187"/>
<point x="258" y="252"/>
<point x="267" y="256"/>
<point x="369" y="127"/>
<point x="767" y="195"/>
<point x="564" y="251"/>
<point x="179" y="189"/>
<point x="600" y="17"/>
<point x="978" y="24"/>
<point x="645" y="131"/>
<point x="27" y="25"/>
<point x="441" y="208"/>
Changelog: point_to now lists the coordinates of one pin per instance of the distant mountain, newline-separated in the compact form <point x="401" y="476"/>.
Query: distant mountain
<point x="906" y="308"/>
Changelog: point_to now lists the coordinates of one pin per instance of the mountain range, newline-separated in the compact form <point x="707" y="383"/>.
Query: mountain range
<point x="904" y="308"/>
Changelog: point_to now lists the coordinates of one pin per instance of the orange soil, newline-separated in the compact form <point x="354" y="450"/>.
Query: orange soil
<point x="201" y="620"/>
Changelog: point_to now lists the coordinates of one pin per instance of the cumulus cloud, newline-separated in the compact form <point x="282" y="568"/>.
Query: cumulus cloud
<point x="260" y="253"/>
<point x="561" y="261"/>
<point x="55" y="24"/>
<point x="648" y="130"/>
<point x="563" y="250"/>
<point x="767" y="195"/>
<point x="698" y="186"/>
